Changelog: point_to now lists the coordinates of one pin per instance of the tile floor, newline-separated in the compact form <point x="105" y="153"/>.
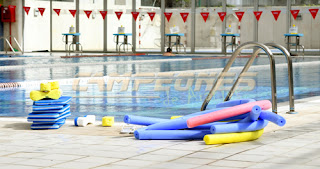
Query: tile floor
<point x="295" y="145"/>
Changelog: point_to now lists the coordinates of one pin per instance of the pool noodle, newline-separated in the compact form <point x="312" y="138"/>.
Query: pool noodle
<point x="253" y="115"/>
<point x="226" y="113"/>
<point x="170" y="134"/>
<point x="181" y="123"/>
<point x="274" y="118"/>
<point x="232" y="137"/>
<point x="239" y="117"/>
<point x="178" y="123"/>
<point x="140" y="120"/>
<point x="234" y="103"/>
<point x="238" y="127"/>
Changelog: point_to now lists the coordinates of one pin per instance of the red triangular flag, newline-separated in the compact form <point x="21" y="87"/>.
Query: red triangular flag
<point x="27" y="9"/>
<point x="135" y="15"/>
<point x="151" y="14"/>
<point x="257" y="14"/>
<point x="276" y="14"/>
<point x="119" y="14"/>
<point x="314" y="12"/>
<point x="168" y="15"/>
<point x="88" y="13"/>
<point x="57" y="11"/>
<point x="222" y="15"/>
<point x="41" y="10"/>
<point x="0" y="5"/>
<point x="239" y="15"/>
<point x="184" y="16"/>
<point x="295" y="13"/>
<point x="73" y="12"/>
<point x="103" y="13"/>
<point x="205" y="16"/>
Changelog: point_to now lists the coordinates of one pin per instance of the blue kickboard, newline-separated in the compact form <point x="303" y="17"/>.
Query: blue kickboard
<point x="45" y="126"/>
<point x="65" y="107"/>
<point x="61" y="121"/>
<point x="37" y="119"/>
<point x="47" y="107"/>
<point x="48" y="115"/>
<point x="61" y="101"/>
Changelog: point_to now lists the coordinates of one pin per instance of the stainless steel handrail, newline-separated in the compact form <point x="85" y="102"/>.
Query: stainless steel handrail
<point x="17" y="43"/>
<point x="229" y="64"/>
<point x="8" y="43"/>
<point x="290" y="76"/>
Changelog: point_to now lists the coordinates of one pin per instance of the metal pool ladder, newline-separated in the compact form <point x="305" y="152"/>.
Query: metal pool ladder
<point x="247" y="66"/>
<point x="8" y="43"/>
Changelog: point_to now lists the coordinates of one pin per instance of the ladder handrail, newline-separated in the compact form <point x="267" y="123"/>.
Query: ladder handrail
<point x="229" y="64"/>
<point x="17" y="43"/>
<point x="290" y="76"/>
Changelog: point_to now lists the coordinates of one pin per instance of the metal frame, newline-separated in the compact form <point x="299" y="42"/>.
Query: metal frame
<point x="77" y="20"/>
<point x="290" y="74"/>
<point x="6" y="42"/>
<point x="105" y="28"/>
<point x="134" y="28"/>
<point x="229" y="64"/>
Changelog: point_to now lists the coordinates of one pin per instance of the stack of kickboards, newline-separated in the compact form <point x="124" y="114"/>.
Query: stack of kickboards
<point x="49" y="114"/>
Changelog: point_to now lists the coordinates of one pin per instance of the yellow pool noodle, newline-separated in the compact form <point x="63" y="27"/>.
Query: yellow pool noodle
<point x="174" y="117"/>
<point x="232" y="137"/>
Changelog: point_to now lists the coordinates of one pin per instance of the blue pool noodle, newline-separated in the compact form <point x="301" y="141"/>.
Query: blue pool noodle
<point x="140" y="120"/>
<point x="238" y="127"/>
<point x="239" y="117"/>
<point x="181" y="123"/>
<point x="234" y="103"/>
<point x="274" y="118"/>
<point x="253" y="115"/>
<point x="146" y="121"/>
<point x="170" y="134"/>
<point x="178" y="123"/>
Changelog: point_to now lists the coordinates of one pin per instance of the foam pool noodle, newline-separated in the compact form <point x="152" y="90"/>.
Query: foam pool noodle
<point x="179" y="123"/>
<point x="253" y="115"/>
<point x="226" y="113"/>
<point x="274" y="118"/>
<point x="232" y="137"/>
<point x="146" y="121"/>
<point x="239" y="127"/>
<point x="170" y="134"/>
<point x="140" y="120"/>
<point x="234" y="103"/>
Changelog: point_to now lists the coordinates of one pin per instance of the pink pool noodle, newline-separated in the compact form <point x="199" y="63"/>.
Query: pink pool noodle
<point x="226" y="113"/>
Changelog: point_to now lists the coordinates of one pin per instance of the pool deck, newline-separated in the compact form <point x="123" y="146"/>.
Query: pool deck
<point x="296" y="145"/>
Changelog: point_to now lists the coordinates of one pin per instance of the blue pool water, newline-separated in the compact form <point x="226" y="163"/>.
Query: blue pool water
<point x="183" y="96"/>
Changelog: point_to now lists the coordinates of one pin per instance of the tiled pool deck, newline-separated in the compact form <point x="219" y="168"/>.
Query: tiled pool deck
<point x="295" y="145"/>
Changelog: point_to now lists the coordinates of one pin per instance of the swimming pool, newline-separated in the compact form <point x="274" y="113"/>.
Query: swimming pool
<point x="181" y="75"/>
